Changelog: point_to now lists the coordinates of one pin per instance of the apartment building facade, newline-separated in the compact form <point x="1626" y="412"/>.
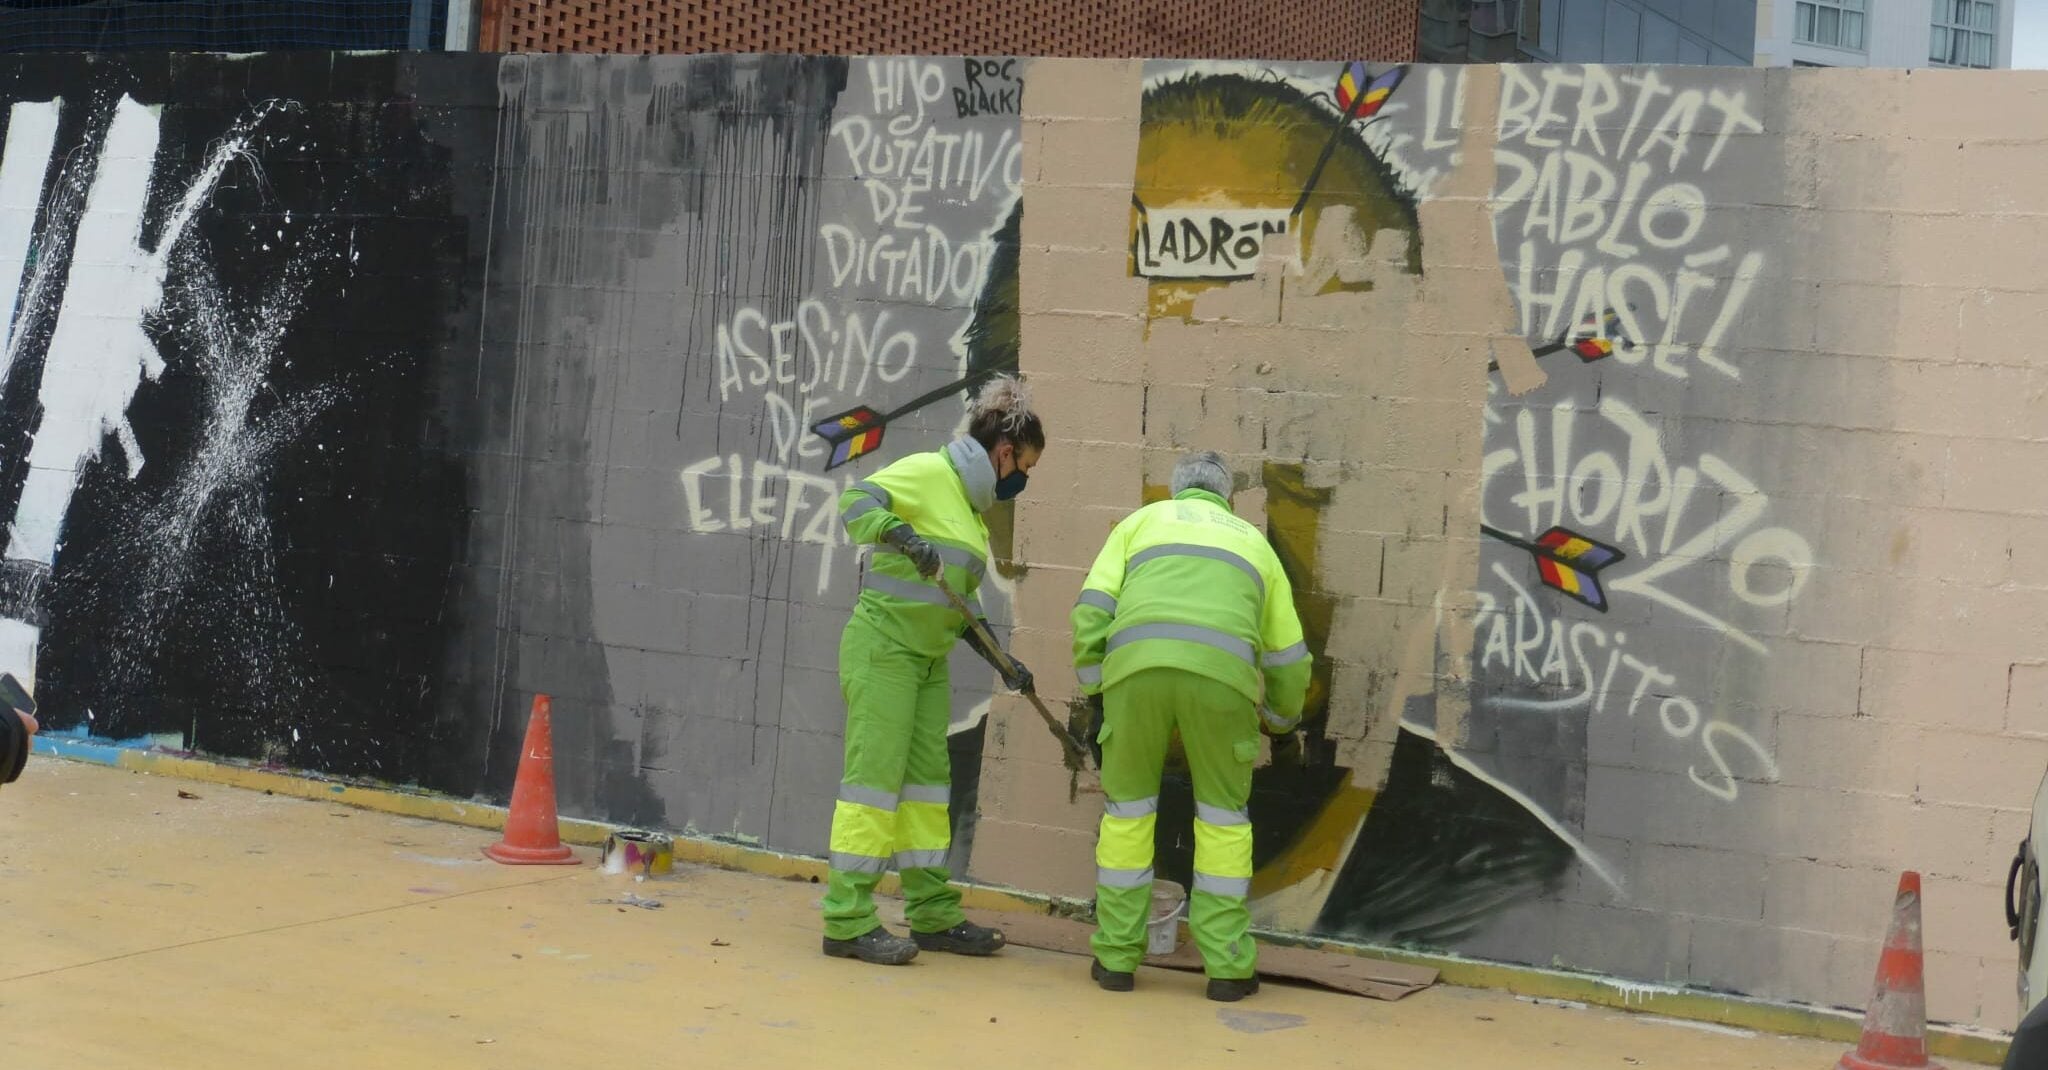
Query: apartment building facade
<point x="1885" y="33"/>
<point x="1694" y="32"/>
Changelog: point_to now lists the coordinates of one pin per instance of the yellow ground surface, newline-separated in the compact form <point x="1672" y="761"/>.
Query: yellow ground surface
<point x="139" y="928"/>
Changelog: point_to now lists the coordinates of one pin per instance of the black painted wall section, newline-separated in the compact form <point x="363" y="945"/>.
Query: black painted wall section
<point x="433" y="337"/>
<point x="276" y="580"/>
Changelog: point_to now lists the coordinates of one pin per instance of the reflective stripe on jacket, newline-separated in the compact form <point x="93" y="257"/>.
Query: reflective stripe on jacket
<point x="924" y="490"/>
<point x="1186" y="584"/>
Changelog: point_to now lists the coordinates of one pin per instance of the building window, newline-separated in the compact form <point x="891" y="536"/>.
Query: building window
<point x="1964" y="33"/>
<point x="1834" y="23"/>
<point x="1535" y="22"/>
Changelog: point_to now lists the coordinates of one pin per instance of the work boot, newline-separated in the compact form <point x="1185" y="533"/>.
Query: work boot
<point x="1111" y="980"/>
<point x="965" y="938"/>
<point x="1232" y="989"/>
<point x="877" y="945"/>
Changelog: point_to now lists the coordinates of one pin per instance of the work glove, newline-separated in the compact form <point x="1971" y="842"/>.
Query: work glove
<point x="1018" y="678"/>
<point x="910" y="544"/>
<point x="1288" y="750"/>
<point x="1089" y="731"/>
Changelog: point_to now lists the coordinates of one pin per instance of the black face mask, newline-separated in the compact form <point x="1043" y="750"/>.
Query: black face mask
<point x="1011" y="485"/>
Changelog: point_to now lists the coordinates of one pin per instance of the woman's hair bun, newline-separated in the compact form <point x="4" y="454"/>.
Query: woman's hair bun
<point x="1005" y="401"/>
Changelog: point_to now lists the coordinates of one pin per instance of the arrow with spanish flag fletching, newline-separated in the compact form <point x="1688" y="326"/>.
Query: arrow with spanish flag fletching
<point x="1356" y="105"/>
<point x="1570" y="563"/>
<point x="857" y="432"/>
<point x="1589" y="342"/>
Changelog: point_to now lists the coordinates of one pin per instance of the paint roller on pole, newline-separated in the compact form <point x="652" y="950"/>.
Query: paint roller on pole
<point x="1076" y="756"/>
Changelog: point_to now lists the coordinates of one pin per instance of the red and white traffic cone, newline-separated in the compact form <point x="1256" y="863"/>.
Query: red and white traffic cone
<point x="1895" y="1023"/>
<point x="532" y="833"/>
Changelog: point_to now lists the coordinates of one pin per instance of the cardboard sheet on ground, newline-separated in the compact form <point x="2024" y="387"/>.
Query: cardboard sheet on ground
<point x="1375" y="978"/>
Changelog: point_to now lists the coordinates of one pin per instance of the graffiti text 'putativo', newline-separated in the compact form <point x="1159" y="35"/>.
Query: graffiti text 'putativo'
<point x="902" y="162"/>
<point x="902" y="265"/>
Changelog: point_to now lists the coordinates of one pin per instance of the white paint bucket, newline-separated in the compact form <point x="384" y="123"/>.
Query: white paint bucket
<point x="1162" y="930"/>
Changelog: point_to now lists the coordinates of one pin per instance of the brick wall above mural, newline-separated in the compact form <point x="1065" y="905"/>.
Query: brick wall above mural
<point x="1649" y="451"/>
<point x="1297" y="29"/>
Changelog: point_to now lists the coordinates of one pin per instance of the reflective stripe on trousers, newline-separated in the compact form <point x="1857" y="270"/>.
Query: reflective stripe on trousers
<point x="1123" y="845"/>
<point x="853" y="863"/>
<point x="923" y="831"/>
<point x="863" y="829"/>
<point x="873" y="828"/>
<point x="1223" y="851"/>
<point x="1123" y="878"/>
<point x="1227" y="887"/>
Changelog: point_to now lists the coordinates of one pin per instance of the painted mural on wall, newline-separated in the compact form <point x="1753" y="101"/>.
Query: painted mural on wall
<point x="1232" y="155"/>
<point x="340" y="413"/>
<point x="760" y="278"/>
<point x="1614" y="545"/>
<point x="909" y="303"/>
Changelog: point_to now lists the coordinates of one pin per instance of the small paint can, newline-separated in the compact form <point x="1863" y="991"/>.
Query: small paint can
<point x="1162" y="930"/>
<point x="645" y="854"/>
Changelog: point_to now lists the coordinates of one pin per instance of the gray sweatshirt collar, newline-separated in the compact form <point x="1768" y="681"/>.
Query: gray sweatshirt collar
<point x="977" y="472"/>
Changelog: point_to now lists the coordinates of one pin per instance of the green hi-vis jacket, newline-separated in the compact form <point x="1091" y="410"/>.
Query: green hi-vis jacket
<point x="1185" y="584"/>
<point x="941" y="494"/>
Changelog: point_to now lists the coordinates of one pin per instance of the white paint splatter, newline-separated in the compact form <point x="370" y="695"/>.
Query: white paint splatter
<point x="31" y="136"/>
<point x="212" y="522"/>
<point x="98" y="352"/>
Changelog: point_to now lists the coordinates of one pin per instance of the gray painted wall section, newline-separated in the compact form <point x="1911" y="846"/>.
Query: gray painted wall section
<point x="692" y="266"/>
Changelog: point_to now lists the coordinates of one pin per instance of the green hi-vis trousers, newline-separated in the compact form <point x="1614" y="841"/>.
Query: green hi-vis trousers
<point x="1219" y="730"/>
<point x="892" y="797"/>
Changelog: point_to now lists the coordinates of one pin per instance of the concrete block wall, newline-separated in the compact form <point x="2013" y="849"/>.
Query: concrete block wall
<point x="1813" y="660"/>
<point x="1652" y="452"/>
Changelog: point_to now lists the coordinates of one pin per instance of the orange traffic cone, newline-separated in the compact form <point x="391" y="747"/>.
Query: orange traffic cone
<point x="1895" y="1024"/>
<point x="532" y="836"/>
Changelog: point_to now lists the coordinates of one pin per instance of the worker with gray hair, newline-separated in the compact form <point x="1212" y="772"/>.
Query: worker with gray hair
<point x="1187" y="622"/>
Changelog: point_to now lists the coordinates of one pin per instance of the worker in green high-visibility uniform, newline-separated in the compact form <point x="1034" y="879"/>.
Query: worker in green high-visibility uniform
<point x="1185" y="622"/>
<point x="922" y="515"/>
